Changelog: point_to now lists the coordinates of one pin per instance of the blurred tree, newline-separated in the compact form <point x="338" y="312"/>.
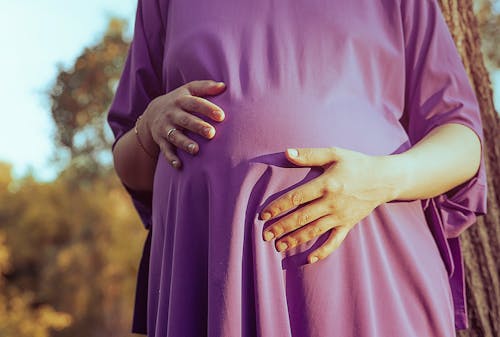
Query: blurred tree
<point x="80" y="98"/>
<point x="72" y="257"/>
<point x="481" y="243"/>
<point x="488" y="17"/>
<point x="69" y="249"/>
<point x="18" y="316"/>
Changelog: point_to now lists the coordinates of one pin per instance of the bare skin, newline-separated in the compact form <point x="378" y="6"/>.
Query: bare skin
<point x="133" y="165"/>
<point x="352" y="185"/>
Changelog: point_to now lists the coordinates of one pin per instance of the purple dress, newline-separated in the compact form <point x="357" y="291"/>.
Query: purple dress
<point x="370" y="76"/>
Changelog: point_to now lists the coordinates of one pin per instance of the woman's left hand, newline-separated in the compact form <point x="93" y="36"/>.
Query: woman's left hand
<point x="351" y="187"/>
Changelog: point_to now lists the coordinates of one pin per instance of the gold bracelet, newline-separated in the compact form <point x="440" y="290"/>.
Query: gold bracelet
<point x="136" y="131"/>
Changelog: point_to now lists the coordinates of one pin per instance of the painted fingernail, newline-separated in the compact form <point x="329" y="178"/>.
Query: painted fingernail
<point x="220" y="84"/>
<point x="219" y="114"/>
<point x="281" y="246"/>
<point x="266" y="216"/>
<point x="208" y="131"/>
<point x="313" y="259"/>
<point x="174" y="163"/>
<point x="191" y="148"/>
<point x="268" y="235"/>
<point x="293" y="153"/>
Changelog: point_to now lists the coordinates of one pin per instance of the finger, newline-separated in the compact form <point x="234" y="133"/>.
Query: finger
<point x="196" y="104"/>
<point x="296" y="219"/>
<point x="336" y="237"/>
<point x="314" y="156"/>
<point x="300" y="195"/>
<point x="205" y="87"/>
<point x="306" y="233"/>
<point x="194" y="124"/>
<point x="168" y="151"/>
<point x="180" y="140"/>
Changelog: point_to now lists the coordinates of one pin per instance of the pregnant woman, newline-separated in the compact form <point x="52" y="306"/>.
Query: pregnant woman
<point x="304" y="168"/>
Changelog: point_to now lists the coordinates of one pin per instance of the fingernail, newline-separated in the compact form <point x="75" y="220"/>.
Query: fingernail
<point x="221" y="115"/>
<point x="268" y="235"/>
<point x="220" y="84"/>
<point x="191" y="147"/>
<point x="281" y="246"/>
<point x="313" y="259"/>
<point x="293" y="153"/>
<point x="174" y="163"/>
<point x="207" y="131"/>
<point x="266" y="216"/>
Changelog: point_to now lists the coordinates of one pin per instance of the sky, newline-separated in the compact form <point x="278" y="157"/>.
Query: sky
<point x="35" y="37"/>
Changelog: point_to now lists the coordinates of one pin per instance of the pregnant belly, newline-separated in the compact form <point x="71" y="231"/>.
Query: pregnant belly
<point x="256" y="126"/>
<point x="243" y="166"/>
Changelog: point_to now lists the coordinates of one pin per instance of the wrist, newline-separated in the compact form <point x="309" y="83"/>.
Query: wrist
<point x="144" y="137"/>
<point x="395" y="171"/>
<point x="147" y="119"/>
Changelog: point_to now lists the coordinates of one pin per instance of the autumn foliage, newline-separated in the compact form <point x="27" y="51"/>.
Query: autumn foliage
<point x="70" y="248"/>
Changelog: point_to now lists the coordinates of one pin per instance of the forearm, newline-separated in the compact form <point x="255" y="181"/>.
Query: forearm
<point x="447" y="157"/>
<point x="133" y="165"/>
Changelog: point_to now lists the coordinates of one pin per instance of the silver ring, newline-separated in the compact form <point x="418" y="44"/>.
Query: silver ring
<point x="169" y="133"/>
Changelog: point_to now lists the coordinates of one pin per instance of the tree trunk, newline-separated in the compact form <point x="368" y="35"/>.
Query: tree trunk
<point x="481" y="242"/>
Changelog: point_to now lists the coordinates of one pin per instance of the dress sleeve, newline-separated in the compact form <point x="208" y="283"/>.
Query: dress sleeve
<point x="140" y="82"/>
<point x="438" y="92"/>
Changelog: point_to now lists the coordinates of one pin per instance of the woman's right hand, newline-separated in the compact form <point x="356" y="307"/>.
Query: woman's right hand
<point x="174" y="110"/>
